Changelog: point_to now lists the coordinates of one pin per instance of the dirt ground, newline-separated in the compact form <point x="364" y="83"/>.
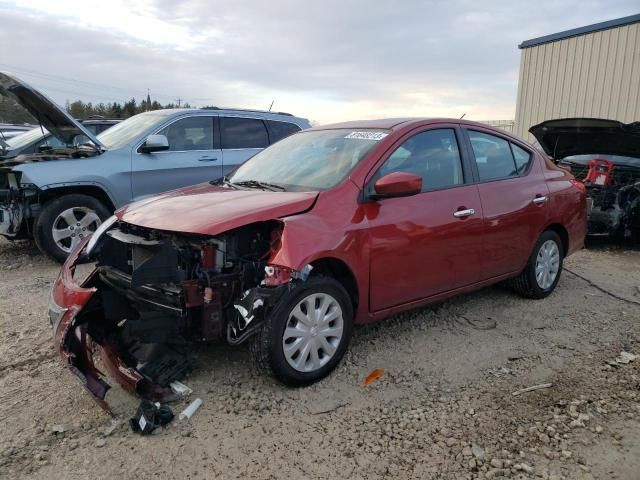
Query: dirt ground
<point x="443" y="408"/>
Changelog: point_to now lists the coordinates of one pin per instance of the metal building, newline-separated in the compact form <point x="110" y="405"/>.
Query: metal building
<point x="592" y="71"/>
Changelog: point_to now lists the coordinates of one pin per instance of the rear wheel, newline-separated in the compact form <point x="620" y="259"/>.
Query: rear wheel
<point x="66" y="221"/>
<point x="542" y="273"/>
<point x="307" y="333"/>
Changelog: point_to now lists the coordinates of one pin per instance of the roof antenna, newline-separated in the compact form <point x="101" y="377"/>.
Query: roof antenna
<point x="271" y="106"/>
<point x="462" y="116"/>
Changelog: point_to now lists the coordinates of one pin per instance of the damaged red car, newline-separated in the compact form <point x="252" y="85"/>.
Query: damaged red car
<point x="329" y="228"/>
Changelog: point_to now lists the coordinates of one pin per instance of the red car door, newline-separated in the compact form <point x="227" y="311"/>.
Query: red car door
<point x="428" y="243"/>
<point x="514" y="198"/>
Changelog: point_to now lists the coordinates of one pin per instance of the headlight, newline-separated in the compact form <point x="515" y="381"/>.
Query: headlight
<point x="104" y="226"/>
<point x="55" y="312"/>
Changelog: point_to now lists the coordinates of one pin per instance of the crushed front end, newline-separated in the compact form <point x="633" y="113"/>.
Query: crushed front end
<point x="154" y="294"/>
<point x="16" y="203"/>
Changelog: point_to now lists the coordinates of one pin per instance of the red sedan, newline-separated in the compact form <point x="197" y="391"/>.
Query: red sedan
<point x="332" y="227"/>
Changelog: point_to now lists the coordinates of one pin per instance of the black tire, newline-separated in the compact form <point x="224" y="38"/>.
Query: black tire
<point x="266" y="345"/>
<point x="525" y="283"/>
<point x="43" y="227"/>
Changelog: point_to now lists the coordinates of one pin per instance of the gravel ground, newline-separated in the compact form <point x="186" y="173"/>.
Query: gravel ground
<point x="444" y="407"/>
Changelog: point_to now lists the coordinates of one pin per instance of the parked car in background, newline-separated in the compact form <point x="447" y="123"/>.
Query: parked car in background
<point x="330" y="227"/>
<point x="39" y="140"/>
<point x="61" y="195"/>
<point x="10" y="130"/>
<point x="97" y="124"/>
<point x="605" y="156"/>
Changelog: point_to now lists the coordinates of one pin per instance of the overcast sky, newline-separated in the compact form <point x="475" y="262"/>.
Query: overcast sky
<point x="325" y="60"/>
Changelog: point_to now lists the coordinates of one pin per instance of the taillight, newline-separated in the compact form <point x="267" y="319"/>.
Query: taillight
<point x="579" y="185"/>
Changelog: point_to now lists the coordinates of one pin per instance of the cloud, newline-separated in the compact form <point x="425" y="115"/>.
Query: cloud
<point x="329" y="60"/>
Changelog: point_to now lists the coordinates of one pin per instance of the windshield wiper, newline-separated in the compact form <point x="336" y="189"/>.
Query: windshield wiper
<point x="273" y="187"/>
<point x="224" y="181"/>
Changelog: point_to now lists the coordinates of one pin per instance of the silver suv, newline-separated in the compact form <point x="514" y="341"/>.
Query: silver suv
<point x="60" y="195"/>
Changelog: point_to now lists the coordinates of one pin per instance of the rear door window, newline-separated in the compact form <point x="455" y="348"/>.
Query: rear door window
<point x="238" y="132"/>
<point x="280" y="130"/>
<point x="191" y="133"/>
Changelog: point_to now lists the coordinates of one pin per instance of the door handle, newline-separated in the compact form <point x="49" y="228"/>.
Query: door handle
<point x="540" y="200"/>
<point x="464" y="213"/>
<point x="207" y="159"/>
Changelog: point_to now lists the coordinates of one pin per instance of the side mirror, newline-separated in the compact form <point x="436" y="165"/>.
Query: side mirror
<point x="155" y="143"/>
<point x="397" y="184"/>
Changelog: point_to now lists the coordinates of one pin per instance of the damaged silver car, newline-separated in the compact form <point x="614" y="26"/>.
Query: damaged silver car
<point x="61" y="193"/>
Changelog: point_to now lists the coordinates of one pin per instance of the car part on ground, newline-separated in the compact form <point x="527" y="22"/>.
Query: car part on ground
<point x="329" y="228"/>
<point x="150" y="416"/>
<point x="605" y="156"/>
<point x="65" y="157"/>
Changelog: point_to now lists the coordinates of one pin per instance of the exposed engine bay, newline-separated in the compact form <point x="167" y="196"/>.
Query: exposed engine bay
<point x="13" y="202"/>
<point x="613" y="195"/>
<point x="20" y="200"/>
<point x="159" y="292"/>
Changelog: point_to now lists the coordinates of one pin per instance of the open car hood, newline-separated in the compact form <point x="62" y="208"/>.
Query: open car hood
<point x="210" y="210"/>
<point x="582" y="136"/>
<point x="51" y="116"/>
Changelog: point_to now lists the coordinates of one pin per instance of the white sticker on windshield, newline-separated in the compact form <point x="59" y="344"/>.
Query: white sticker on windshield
<point x="367" y="135"/>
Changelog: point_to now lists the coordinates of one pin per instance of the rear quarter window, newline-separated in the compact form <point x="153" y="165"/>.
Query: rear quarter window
<point x="522" y="158"/>
<point x="280" y="130"/>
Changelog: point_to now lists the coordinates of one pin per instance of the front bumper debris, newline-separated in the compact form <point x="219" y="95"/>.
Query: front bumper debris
<point x="76" y="347"/>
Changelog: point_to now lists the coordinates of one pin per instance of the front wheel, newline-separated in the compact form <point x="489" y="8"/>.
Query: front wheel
<point x="542" y="273"/>
<point x="307" y="333"/>
<point x="65" y="221"/>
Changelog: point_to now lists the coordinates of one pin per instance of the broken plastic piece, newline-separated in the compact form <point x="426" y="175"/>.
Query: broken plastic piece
<point x="304" y="273"/>
<point x="626" y="357"/>
<point x="150" y="416"/>
<point x="247" y="306"/>
<point x="191" y="409"/>
<point x="180" y="388"/>
<point x="373" y="376"/>
<point x="531" y="389"/>
<point x="208" y="295"/>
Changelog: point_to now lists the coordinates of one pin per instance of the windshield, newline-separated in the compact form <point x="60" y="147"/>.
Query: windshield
<point x="616" y="159"/>
<point x="128" y="130"/>
<point x="313" y="160"/>
<point x="26" y="138"/>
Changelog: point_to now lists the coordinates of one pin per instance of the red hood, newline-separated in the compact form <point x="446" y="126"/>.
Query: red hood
<point x="210" y="210"/>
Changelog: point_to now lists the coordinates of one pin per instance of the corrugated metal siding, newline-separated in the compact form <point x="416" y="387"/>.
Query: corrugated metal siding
<point x="593" y="75"/>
